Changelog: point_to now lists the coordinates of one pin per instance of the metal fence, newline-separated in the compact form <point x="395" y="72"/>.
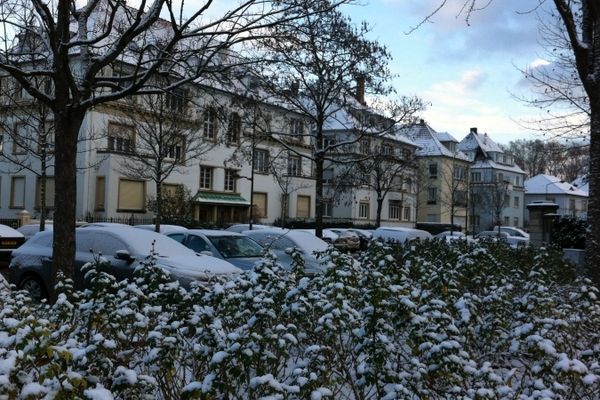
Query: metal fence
<point x="126" y="220"/>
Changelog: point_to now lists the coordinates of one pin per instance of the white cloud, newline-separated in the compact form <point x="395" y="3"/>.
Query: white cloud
<point x="538" y="62"/>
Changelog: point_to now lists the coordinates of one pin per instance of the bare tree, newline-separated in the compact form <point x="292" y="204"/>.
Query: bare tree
<point x="317" y="61"/>
<point x="389" y="168"/>
<point x="78" y="50"/>
<point x="167" y="140"/>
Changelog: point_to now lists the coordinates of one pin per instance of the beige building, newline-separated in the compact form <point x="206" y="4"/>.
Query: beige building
<point x="442" y="178"/>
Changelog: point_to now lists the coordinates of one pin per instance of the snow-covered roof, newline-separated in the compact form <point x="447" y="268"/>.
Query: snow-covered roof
<point x="548" y="184"/>
<point x="428" y="140"/>
<point x="582" y="183"/>
<point x="446" y="137"/>
<point x="475" y="140"/>
<point x="494" y="165"/>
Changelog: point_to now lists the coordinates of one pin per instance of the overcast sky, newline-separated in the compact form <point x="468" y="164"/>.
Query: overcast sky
<point x="468" y="74"/>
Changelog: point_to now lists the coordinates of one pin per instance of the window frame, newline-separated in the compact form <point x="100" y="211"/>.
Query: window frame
<point x="205" y="181"/>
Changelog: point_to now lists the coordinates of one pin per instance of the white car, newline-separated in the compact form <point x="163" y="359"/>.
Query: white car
<point x="28" y="230"/>
<point x="513" y="241"/>
<point x="512" y="231"/>
<point x="164" y="229"/>
<point x="239" y="228"/>
<point x="400" y="235"/>
<point x="450" y="236"/>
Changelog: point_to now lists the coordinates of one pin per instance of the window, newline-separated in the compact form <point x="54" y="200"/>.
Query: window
<point x="17" y="192"/>
<point x="176" y="100"/>
<point x="431" y="195"/>
<point x="100" y="193"/>
<point x="500" y="177"/>
<point x="406" y="216"/>
<point x="303" y="207"/>
<point x="506" y="201"/>
<point x="365" y="146"/>
<point x="327" y="142"/>
<point x="132" y="195"/>
<point x="210" y="124"/>
<point x="516" y="202"/>
<point x="327" y="208"/>
<point x="230" y="178"/>
<point x="387" y="150"/>
<point x="328" y="176"/>
<point x="296" y="128"/>
<point x="49" y="192"/>
<point x="459" y="173"/>
<point x="363" y="210"/>
<point x="175" y="150"/>
<point x="433" y="171"/>
<point x="506" y="220"/>
<point x="120" y="138"/>
<point x="261" y="161"/>
<point x="259" y="203"/>
<point x="476" y="176"/>
<point x="516" y="221"/>
<point x="206" y="177"/>
<point x="294" y="166"/>
<point x="517" y="181"/>
<point x="460" y="198"/>
<point x="234" y="128"/>
<point x="406" y="154"/>
<point x="572" y="208"/>
<point x="21" y="138"/>
<point x="394" y="208"/>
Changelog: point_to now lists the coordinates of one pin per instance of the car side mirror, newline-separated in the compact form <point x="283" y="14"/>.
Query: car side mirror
<point x="123" y="255"/>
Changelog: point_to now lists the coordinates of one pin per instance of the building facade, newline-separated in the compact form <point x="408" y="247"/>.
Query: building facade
<point x="571" y="200"/>
<point x="497" y="192"/>
<point x="442" y="176"/>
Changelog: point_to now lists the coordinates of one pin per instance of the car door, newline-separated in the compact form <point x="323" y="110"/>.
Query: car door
<point x="84" y="254"/>
<point x="108" y="245"/>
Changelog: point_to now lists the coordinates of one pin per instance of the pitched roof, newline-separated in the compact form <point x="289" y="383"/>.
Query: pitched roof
<point x="446" y="137"/>
<point x="582" y="183"/>
<point x="428" y="141"/>
<point x="487" y="163"/>
<point x="474" y="140"/>
<point x="548" y="184"/>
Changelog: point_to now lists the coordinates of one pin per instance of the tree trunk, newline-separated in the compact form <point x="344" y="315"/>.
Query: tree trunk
<point x="67" y="124"/>
<point x="319" y="196"/>
<point x="159" y="205"/>
<point x="379" y="209"/>
<point x="43" y="192"/>
<point x="592" y="246"/>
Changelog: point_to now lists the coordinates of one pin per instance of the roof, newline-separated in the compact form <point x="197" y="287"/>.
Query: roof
<point x="494" y="165"/>
<point x="475" y="140"/>
<point x="233" y="199"/>
<point x="214" y="232"/>
<point x="446" y="137"/>
<point x="582" y="183"/>
<point x="428" y="140"/>
<point x="548" y="184"/>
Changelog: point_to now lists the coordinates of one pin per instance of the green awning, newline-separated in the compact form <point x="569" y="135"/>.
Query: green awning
<point x="231" y="199"/>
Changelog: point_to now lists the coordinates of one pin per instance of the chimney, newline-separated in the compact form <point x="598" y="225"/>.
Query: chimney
<point x="474" y="130"/>
<point x="360" y="89"/>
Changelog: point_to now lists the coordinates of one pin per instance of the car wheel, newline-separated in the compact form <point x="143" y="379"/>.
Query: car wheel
<point x="34" y="286"/>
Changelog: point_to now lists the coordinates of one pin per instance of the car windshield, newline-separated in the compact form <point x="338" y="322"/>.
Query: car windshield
<point x="236" y="246"/>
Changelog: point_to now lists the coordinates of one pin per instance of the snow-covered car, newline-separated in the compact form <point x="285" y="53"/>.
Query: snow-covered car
<point x="124" y="249"/>
<point x="10" y="239"/>
<point x="328" y="236"/>
<point x="346" y="240"/>
<point x="450" y="236"/>
<point x="512" y="231"/>
<point x="239" y="228"/>
<point x="283" y="241"/>
<point x="513" y="241"/>
<point x="28" y="230"/>
<point x="364" y="235"/>
<point x="164" y="229"/>
<point x="233" y="247"/>
<point x="400" y="235"/>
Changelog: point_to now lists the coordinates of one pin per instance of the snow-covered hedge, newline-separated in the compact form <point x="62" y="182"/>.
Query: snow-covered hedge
<point x="431" y="321"/>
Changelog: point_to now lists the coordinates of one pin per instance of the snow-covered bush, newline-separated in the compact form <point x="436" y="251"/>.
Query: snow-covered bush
<point x="423" y="321"/>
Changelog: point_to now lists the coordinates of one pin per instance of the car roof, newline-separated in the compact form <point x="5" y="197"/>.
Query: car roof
<point x="164" y="229"/>
<point x="7" y="231"/>
<point x="213" y="232"/>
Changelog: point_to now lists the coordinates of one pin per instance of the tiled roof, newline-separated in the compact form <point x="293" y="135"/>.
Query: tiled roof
<point x="428" y="141"/>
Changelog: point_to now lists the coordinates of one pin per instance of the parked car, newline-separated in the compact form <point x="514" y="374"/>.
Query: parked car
<point x="10" y="239"/>
<point x="400" y="235"/>
<point x="124" y="248"/>
<point x="450" y="236"/>
<point x="283" y="241"/>
<point x="512" y="231"/>
<point x="233" y="247"/>
<point x="346" y="240"/>
<point x="164" y="229"/>
<point x="364" y="235"/>
<point x="28" y="230"/>
<point x="239" y="228"/>
<point x="513" y="241"/>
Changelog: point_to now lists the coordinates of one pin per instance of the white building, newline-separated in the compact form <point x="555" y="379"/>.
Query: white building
<point x="220" y="189"/>
<point x="571" y="200"/>
<point x="496" y="184"/>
